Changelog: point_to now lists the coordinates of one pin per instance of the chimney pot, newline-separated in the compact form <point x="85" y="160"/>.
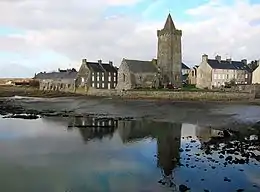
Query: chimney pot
<point x="205" y="57"/>
<point x="110" y="63"/>
<point x="244" y="61"/>
<point x="218" y="57"/>
<point x="100" y="61"/>
<point x="229" y="60"/>
<point x="84" y="61"/>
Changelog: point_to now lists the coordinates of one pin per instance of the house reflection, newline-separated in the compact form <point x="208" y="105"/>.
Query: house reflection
<point x="94" y="128"/>
<point x="167" y="136"/>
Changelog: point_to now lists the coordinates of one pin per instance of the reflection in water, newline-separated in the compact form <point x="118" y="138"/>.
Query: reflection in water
<point x="94" y="128"/>
<point x="180" y="155"/>
<point x="168" y="142"/>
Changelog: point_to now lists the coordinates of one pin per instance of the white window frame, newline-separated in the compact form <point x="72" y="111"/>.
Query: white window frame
<point x="93" y="84"/>
<point x="103" y="85"/>
<point x="246" y="75"/>
<point x="98" y="85"/>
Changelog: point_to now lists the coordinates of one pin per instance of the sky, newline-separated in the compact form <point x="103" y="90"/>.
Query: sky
<point x="44" y="35"/>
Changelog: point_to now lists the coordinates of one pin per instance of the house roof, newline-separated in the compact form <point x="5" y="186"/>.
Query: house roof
<point x="137" y="66"/>
<point x="183" y="66"/>
<point x="109" y="68"/>
<point x="68" y="74"/>
<point x="104" y="67"/>
<point x="235" y="65"/>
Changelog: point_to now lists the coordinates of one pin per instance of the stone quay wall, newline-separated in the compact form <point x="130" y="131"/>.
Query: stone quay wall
<point x="174" y="95"/>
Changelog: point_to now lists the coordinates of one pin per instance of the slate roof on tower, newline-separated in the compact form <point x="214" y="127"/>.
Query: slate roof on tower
<point x="169" y="25"/>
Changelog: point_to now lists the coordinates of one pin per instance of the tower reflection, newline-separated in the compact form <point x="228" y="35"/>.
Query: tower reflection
<point x="168" y="137"/>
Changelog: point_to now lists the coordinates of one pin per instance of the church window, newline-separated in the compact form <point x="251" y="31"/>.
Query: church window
<point x="123" y="77"/>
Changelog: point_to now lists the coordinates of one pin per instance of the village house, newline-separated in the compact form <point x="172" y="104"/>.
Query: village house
<point x="185" y="70"/>
<point x="97" y="75"/>
<point x="256" y="74"/>
<point x="185" y="73"/>
<point x="192" y="77"/>
<point x="62" y="80"/>
<point x="137" y="74"/>
<point x="134" y="74"/>
<point x="215" y="73"/>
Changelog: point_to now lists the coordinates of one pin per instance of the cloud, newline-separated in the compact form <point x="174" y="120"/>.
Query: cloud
<point x="87" y="29"/>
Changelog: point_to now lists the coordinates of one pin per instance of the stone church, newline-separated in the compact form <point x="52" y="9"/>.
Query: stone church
<point x="164" y="71"/>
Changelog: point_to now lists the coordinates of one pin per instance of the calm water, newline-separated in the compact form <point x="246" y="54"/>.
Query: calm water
<point x="52" y="154"/>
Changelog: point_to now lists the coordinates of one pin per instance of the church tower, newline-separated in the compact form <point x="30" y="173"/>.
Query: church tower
<point x="169" y="54"/>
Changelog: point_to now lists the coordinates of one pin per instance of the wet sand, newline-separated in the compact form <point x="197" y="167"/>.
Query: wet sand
<point x="212" y="114"/>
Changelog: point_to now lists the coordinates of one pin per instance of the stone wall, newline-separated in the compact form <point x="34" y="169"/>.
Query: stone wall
<point x="173" y="95"/>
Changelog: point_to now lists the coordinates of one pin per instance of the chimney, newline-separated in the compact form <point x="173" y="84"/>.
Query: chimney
<point x="84" y="61"/>
<point x="205" y="58"/>
<point x="244" y="61"/>
<point x="110" y="63"/>
<point x="218" y="57"/>
<point x="100" y="61"/>
<point x="229" y="60"/>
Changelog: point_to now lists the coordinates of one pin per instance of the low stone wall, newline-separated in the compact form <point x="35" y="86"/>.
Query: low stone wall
<point x="174" y="95"/>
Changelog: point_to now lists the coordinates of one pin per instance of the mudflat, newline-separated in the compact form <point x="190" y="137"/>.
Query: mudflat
<point x="212" y="114"/>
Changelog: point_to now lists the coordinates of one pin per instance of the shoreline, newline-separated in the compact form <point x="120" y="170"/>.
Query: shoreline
<point x="11" y="91"/>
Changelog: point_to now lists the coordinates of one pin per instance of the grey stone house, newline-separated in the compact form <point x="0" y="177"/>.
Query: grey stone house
<point x="62" y="80"/>
<point x="215" y="73"/>
<point x="137" y="74"/>
<point x="97" y="75"/>
<point x="133" y="74"/>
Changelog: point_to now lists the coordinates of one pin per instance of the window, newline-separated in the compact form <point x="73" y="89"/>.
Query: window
<point x="103" y="85"/>
<point x="97" y="85"/>
<point x="82" y="79"/>
<point x="93" y="76"/>
<point x="215" y="76"/>
<point x="109" y="76"/>
<point x="114" y="78"/>
<point x="103" y="77"/>
<point x="93" y="84"/>
<point x="246" y="76"/>
<point x="109" y="85"/>
<point x="123" y="77"/>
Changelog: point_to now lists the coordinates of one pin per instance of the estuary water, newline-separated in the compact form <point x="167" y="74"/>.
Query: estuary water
<point x="87" y="154"/>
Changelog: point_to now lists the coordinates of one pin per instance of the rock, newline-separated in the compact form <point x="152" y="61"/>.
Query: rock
<point x="227" y="179"/>
<point x="221" y="156"/>
<point x="229" y="158"/>
<point x="183" y="188"/>
<point x="181" y="150"/>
